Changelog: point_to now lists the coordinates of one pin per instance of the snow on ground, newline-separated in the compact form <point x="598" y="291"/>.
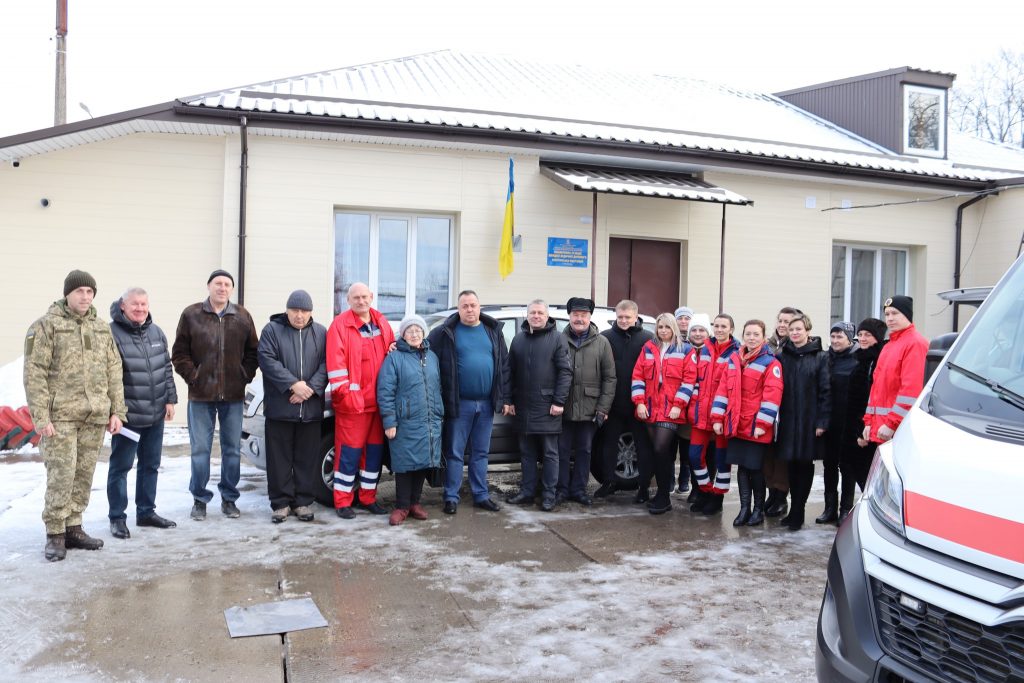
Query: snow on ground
<point x="742" y="612"/>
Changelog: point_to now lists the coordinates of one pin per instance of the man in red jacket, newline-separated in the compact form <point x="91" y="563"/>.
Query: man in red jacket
<point x="357" y="342"/>
<point x="899" y="375"/>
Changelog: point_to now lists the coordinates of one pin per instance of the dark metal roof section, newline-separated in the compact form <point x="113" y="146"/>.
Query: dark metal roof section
<point x="870" y="105"/>
<point x="640" y="183"/>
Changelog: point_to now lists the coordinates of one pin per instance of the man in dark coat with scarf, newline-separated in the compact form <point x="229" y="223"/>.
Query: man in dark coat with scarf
<point x="293" y="358"/>
<point x="541" y="376"/>
<point x="150" y="395"/>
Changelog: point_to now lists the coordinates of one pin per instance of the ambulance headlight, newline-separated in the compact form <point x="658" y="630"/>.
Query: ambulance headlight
<point x="884" y="491"/>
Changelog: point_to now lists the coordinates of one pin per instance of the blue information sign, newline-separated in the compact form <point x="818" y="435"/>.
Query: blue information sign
<point x="567" y="253"/>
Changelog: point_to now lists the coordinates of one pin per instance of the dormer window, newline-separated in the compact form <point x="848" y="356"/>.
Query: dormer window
<point x="924" y="121"/>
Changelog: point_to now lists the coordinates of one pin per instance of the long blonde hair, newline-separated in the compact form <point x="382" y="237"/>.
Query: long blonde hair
<point x="668" y="320"/>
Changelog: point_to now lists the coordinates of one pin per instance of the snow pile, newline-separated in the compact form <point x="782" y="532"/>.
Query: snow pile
<point x="12" y="387"/>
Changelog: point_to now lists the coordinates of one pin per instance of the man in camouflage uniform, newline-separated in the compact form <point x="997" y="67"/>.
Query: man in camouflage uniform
<point x="74" y="391"/>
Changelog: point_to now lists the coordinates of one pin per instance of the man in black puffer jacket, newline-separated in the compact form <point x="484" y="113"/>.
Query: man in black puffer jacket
<point x="151" y="396"/>
<point x="293" y="357"/>
<point x="627" y="338"/>
<point x="538" y="362"/>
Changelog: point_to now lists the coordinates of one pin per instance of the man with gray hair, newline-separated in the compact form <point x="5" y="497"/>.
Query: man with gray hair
<point x="538" y="360"/>
<point x="150" y="395"/>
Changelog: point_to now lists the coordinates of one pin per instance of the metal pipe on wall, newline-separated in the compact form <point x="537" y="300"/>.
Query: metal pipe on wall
<point x="242" y="188"/>
<point x="959" y="244"/>
<point x="721" y="267"/>
<point x="593" y="249"/>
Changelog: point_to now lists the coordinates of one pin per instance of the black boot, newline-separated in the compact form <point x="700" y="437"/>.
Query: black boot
<point x="743" y="481"/>
<point x="757" y="485"/>
<point x="55" y="551"/>
<point x="778" y="506"/>
<point x="795" y="518"/>
<point x="831" y="513"/>
<point x="700" y="499"/>
<point x="75" y="537"/>
<point x="714" y="504"/>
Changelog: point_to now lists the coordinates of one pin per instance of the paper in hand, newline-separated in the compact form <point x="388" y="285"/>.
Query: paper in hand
<point x="129" y="434"/>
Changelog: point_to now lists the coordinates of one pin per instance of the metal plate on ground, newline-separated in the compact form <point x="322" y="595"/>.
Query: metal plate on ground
<point x="273" y="617"/>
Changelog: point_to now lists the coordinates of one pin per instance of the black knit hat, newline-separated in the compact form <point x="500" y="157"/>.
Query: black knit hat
<point x="873" y="326"/>
<point x="903" y="304"/>
<point x="578" y="303"/>
<point x="218" y="273"/>
<point x="301" y="300"/>
<point x="79" y="278"/>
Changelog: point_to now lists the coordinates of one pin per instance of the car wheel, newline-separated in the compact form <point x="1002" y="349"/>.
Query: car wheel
<point x="627" y="473"/>
<point x="325" y="487"/>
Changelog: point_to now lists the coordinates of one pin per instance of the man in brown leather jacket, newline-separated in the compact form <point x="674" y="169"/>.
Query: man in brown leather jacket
<point x="215" y="353"/>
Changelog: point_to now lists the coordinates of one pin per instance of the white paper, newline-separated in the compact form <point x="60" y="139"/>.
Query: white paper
<point x="129" y="434"/>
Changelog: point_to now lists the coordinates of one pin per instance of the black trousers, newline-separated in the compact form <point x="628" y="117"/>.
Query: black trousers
<point x="409" y="488"/>
<point x="293" y="454"/>
<point x="801" y="476"/>
<point x="578" y="437"/>
<point x="615" y="425"/>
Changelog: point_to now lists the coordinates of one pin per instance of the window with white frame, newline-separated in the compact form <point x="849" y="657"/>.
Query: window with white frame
<point x="863" y="277"/>
<point x="404" y="258"/>
<point x="924" y="120"/>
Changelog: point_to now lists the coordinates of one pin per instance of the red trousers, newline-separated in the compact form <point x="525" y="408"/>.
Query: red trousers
<point x="358" y="449"/>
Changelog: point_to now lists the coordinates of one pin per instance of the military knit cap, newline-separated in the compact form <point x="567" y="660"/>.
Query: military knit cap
<point x="218" y="273"/>
<point x="301" y="300"/>
<point x="79" y="278"/>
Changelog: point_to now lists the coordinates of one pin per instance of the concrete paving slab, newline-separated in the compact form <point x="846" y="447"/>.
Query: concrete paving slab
<point x="173" y="628"/>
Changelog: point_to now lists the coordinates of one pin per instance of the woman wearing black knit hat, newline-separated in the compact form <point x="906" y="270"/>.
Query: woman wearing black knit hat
<point x="856" y="454"/>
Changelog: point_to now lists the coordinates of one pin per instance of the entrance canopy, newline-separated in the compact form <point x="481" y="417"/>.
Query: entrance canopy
<point x="640" y="183"/>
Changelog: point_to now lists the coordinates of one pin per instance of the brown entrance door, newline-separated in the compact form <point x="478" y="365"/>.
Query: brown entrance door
<point x="646" y="271"/>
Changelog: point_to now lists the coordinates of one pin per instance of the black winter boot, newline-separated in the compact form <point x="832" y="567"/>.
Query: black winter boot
<point x="743" y="481"/>
<point x="713" y="505"/>
<point x="75" y="537"/>
<point x="831" y="512"/>
<point x="699" y="500"/>
<point x="757" y="485"/>
<point x="55" y="550"/>
<point x="777" y="506"/>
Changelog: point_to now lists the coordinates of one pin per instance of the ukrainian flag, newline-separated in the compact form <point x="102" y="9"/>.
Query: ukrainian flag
<point x="508" y="228"/>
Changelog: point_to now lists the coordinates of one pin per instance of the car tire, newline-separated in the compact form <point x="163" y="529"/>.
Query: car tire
<point x="325" y="472"/>
<point x="627" y="474"/>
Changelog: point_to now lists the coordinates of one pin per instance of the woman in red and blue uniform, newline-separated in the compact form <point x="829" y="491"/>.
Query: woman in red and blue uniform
<point x="753" y="396"/>
<point x="713" y="358"/>
<point x="663" y="379"/>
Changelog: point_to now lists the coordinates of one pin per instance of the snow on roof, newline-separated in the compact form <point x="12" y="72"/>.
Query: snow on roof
<point x="463" y="90"/>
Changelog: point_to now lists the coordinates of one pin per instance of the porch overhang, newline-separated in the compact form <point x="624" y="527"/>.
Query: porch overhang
<point x="639" y="184"/>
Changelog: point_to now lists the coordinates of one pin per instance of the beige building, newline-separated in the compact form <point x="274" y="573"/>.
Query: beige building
<point x="396" y="173"/>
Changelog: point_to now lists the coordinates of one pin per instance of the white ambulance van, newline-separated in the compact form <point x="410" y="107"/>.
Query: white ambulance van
<point x="926" y="576"/>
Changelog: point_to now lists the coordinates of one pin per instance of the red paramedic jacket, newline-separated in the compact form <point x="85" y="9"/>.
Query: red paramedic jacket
<point x="752" y="396"/>
<point x="712" y="368"/>
<point x="663" y="382"/>
<point x="353" y="378"/>
<point x="897" y="381"/>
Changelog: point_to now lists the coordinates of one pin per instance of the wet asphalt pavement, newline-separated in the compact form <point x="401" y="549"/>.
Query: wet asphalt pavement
<point x="601" y="593"/>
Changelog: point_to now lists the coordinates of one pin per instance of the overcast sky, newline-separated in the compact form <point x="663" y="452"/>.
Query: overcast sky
<point x="124" y="54"/>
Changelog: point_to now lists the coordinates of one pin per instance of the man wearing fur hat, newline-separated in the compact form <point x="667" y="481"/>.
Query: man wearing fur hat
<point x="899" y="375"/>
<point x="74" y="391"/>
<point x="215" y="353"/>
<point x="293" y="358"/>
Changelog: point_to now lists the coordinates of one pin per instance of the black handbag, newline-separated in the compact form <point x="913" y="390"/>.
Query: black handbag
<point x="435" y="475"/>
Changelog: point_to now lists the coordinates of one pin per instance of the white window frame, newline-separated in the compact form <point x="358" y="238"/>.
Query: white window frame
<point x="876" y="286"/>
<point x="373" y="253"/>
<point x="908" y="90"/>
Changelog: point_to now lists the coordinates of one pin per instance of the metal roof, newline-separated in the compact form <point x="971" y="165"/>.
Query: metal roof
<point x="468" y="100"/>
<point x="615" y="181"/>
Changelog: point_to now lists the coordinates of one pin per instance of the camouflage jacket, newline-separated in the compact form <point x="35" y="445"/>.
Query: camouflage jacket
<point x="72" y="369"/>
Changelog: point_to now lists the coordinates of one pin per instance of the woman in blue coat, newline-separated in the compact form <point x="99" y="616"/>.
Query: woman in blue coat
<point x="409" y="400"/>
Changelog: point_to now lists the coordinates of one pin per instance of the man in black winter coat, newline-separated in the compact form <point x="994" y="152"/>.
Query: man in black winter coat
<point x="627" y="338"/>
<point x="541" y="376"/>
<point x="150" y="395"/>
<point x="293" y="358"/>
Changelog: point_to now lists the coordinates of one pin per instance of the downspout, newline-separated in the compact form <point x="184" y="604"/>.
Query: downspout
<point x="593" y="250"/>
<point x="243" y="181"/>
<point x="959" y="244"/>
<point x="721" y="267"/>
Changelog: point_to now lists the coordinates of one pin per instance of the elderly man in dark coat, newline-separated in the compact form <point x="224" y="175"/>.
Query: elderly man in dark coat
<point x="539" y="364"/>
<point x="293" y="358"/>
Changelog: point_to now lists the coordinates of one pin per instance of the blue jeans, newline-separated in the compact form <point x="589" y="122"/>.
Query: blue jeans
<point x="468" y="434"/>
<point x="532" y="447"/>
<point x="122" y="453"/>
<point x="201" y="416"/>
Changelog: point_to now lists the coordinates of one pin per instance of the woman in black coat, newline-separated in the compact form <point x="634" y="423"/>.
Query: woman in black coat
<point x="841" y="363"/>
<point x="856" y="454"/>
<point x="804" y="413"/>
